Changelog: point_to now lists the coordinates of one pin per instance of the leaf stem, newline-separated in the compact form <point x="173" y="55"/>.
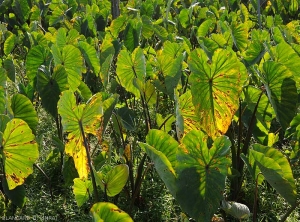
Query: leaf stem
<point x="89" y="162"/>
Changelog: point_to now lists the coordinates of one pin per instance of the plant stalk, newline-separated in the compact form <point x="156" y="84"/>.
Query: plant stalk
<point x="89" y="162"/>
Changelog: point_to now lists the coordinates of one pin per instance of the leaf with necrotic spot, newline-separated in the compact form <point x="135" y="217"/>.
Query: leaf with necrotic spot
<point x="19" y="152"/>
<point x="216" y="88"/>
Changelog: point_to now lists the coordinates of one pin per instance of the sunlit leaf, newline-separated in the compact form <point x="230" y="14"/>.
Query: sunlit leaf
<point x="220" y="82"/>
<point x="130" y="67"/>
<point x="104" y="211"/>
<point x="276" y="170"/>
<point x="9" y="44"/>
<point x="19" y="152"/>
<point x="70" y="58"/>
<point x="90" y="57"/>
<point x="162" y="148"/>
<point x="82" y="189"/>
<point x="114" y="181"/>
<point x="23" y="109"/>
<point x="74" y="120"/>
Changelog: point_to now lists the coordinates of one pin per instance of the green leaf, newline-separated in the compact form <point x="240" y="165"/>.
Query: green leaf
<point x="276" y="170"/>
<point x="23" y="109"/>
<point x="17" y="195"/>
<point x="90" y="57"/>
<point x="132" y="34"/>
<point x="281" y="90"/>
<point x="240" y="36"/>
<point x="8" y="64"/>
<point x="162" y="148"/>
<point x="19" y="152"/>
<point x="104" y="211"/>
<point x="2" y="90"/>
<point x="184" y="17"/>
<point x="130" y="67"/>
<point x="84" y="91"/>
<point x="9" y="44"/>
<point x="21" y="9"/>
<point x="4" y="119"/>
<point x="114" y="181"/>
<point x="51" y="86"/>
<point x="206" y="26"/>
<point x="220" y="82"/>
<point x="37" y="56"/>
<point x="165" y="124"/>
<point x="83" y="190"/>
<point x="70" y="58"/>
<point x="201" y="174"/>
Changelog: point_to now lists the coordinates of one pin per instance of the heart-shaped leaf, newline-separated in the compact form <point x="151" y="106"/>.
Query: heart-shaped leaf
<point x="104" y="211"/>
<point x="74" y="119"/>
<point x="19" y="151"/>
<point x="114" y="181"/>
<point x="82" y="189"/>
<point x="220" y="82"/>
<point x="130" y="67"/>
<point x="23" y="109"/>
<point x="2" y="90"/>
<point x="51" y="86"/>
<point x="201" y="174"/>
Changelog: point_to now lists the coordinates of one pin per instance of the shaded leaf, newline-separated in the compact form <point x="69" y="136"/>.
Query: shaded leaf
<point x="201" y="174"/>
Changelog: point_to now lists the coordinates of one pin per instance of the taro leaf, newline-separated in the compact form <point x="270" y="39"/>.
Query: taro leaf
<point x="104" y="211"/>
<point x="70" y="58"/>
<point x="17" y="195"/>
<point x="51" y="86"/>
<point x="90" y="56"/>
<point x="108" y="107"/>
<point x="220" y="82"/>
<point x="285" y="55"/>
<point x="130" y="67"/>
<point x="23" y="109"/>
<point x="21" y="9"/>
<point x="264" y="113"/>
<point x="184" y="17"/>
<point x="128" y="118"/>
<point x="105" y="67"/>
<point x="2" y="90"/>
<point x="201" y="174"/>
<point x="162" y="148"/>
<point x="3" y="121"/>
<point x="240" y="36"/>
<point x="69" y="171"/>
<point x="73" y="117"/>
<point x="19" y="152"/>
<point x="205" y="28"/>
<point x="114" y="181"/>
<point x="170" y="63"/>
<point x="9" y="44"/>
<point x="186" y="119"/>
<point x="8" y="64"/>
<point x="281" y="90"/>
<point x="276" y="170"/>
<point x="84" y="91"/>
<point x="165" y="124"/>
<point x="37" y="56"/>
<point x="132" y="34"/>
<point x="83" y="190"/>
